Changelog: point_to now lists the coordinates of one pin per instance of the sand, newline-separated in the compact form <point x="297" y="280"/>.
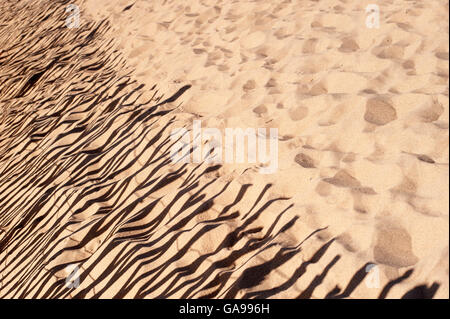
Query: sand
<point x="362" y="178"/>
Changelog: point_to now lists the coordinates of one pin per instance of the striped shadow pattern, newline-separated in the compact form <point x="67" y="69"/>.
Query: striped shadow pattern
<point x="86" y="179"/>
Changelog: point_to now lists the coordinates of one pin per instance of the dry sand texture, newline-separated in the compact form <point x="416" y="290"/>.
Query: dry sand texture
<point x="86" y="179"/>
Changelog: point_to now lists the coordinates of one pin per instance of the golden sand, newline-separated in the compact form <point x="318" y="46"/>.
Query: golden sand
<point x="363" y="153"/>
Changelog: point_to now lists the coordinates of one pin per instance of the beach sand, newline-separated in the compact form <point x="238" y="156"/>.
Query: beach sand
<point x="363" y="151"/>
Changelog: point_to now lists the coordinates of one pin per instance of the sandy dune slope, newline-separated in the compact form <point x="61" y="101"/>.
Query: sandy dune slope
<point x="357" y="207"/>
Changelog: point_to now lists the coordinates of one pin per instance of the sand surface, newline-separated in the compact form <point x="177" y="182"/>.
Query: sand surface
<point x="363" y="149"/>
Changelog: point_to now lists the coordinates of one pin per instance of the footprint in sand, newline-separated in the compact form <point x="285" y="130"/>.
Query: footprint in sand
<point x="393" y="246"/>
<point x="379" y="112"/>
